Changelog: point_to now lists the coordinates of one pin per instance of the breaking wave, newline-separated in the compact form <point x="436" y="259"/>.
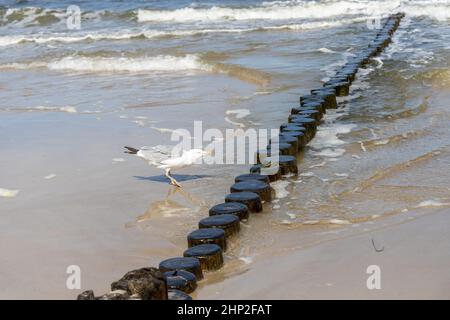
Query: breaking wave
<point x="278" y="10"/>
<point x="155" y="34"/>
<point x="157" y="64"/>
<point x="116" y="64"/>
<point x="274" y="10"/>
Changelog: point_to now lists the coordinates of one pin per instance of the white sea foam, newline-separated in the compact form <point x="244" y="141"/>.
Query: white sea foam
<point x="140" y="123"/>
<point x="291" y="215"/>
<point x="42" y="39"/>
<point x="155" y="34"/>
<point x="352" y="96"/>
<point x="312" y="25"/>
<point x="158" y="63"/>
<point x="216" y="13"/>
<point x="311" y="222"/>
<point x="67" y="109"/>
<point x="330" y="69"/>
<point x="163" y="130"/>
<point x="241" y="125"/>
<point x="270" y="11"/>
<point x="341" y="175"/>
<point x="307" y="174"/>
<point x="379" y="61"/>
<point x="238" y="113"/>
<point x="437" y="9"/>
<point x="111" y="36"/>
<point x="329" y="152"/>
<point x="7" y="193"/>
<point x="325" y="50"/>
<point x="118" y="64"/>
<point x="363" y="72"/>
<point x="381" y="142"/>
<point x="91" y="111"/>
<point x="321" y="164"/>
<point x="339" y="221"/>
<point x="246" y="260"/>
<point x="327" y="136"/>
<point x="419" y="57"/>
<point x="50" y="176"/>
<point x="341" y="11"/>
<point x="280" y="188"/>
<point x="432" y="203"/>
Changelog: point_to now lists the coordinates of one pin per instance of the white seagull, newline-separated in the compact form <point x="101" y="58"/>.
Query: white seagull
<point x="160" y="156"/>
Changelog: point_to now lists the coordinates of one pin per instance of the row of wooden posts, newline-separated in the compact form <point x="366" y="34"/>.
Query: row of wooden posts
<point x="175" y="278"/>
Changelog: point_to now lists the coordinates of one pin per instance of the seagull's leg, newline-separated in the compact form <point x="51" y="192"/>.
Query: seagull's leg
<point x="167" y="173"/>
<point x="175" y="182"/>
<point x="172" y="179"/>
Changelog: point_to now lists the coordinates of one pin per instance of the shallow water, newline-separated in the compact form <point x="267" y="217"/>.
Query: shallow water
<point x="71" y="99"/>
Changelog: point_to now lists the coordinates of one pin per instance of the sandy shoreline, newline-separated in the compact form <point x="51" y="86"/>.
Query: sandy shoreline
<point x="414" y="265"/>
<point x="116" y="216"/>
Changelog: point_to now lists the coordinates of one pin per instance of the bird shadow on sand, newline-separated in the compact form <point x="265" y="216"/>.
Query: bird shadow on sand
<point x="178" y="177"/>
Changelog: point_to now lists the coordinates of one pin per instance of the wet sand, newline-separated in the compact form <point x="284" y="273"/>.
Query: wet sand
<point x="414" y="264"/>
<point x="326" y="259"/>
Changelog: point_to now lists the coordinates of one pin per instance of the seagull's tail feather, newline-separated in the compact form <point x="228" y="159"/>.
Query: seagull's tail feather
<point x="131" y="150"/>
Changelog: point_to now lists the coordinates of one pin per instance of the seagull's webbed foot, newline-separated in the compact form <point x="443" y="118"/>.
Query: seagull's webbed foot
<point x="175" y="183"/>
<point x="172" y="179"/>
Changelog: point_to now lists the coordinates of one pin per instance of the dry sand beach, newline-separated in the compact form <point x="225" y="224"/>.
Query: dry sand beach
<point x="375" y="177"/>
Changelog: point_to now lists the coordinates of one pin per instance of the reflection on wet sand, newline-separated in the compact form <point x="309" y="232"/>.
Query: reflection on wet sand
<point x="168" y="208"/>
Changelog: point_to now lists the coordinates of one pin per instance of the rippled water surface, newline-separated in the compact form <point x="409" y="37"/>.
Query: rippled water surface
<point x="135" y="70"/>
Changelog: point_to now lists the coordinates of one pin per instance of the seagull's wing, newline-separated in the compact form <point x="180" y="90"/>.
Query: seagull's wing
<point x="155" y="155"/>
<point x="173" y="163"/>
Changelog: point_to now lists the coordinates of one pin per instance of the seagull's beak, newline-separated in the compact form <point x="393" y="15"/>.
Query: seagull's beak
<point x="207" y="153"/>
